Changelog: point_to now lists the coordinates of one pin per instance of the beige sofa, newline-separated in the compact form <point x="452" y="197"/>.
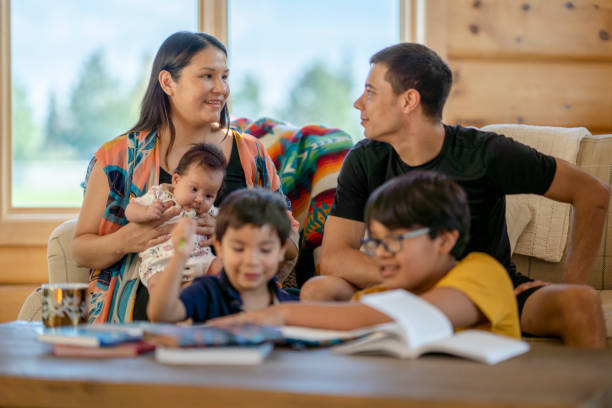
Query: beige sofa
<point x="593" y="153"/>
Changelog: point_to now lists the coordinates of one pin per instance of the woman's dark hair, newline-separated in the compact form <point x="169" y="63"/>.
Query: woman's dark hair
<point x="254" y="206"/>
<point x="422" y="199"/>
<point x="414" y="66"/>
<point x="205" y="155"/>
<point x="173" y="55"/>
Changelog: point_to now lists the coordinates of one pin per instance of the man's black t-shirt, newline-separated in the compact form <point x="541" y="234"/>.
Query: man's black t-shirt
<point x="488" y="166"/>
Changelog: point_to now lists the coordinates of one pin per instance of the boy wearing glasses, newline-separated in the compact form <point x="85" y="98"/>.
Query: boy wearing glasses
<point x="418" y="224"/>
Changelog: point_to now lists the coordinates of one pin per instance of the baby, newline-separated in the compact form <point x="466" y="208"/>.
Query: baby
<point x="195" y="184"/>
<point x="251" y="237"/>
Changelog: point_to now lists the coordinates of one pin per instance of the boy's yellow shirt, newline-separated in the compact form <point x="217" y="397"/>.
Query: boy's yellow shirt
<point x="485" y="281"/>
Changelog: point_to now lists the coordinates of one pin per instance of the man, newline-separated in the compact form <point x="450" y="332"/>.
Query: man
<point x="401" y="111"/>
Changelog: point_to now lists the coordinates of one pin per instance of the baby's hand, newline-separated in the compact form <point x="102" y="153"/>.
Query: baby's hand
<point x="183" y="236"/>
<point x="154" y="210"/>
<point x="206" y="228"/>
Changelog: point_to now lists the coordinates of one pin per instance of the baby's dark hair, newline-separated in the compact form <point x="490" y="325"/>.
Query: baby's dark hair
<point x="422" y="199"/>
<point x="253" y="206"/>
<point x="204" y="155"/>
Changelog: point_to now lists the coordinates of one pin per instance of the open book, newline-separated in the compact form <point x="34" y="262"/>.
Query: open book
<point x="418" y="328"/>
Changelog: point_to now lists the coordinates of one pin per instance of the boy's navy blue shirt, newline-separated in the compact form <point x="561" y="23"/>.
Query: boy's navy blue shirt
<point x="214" y="296"/>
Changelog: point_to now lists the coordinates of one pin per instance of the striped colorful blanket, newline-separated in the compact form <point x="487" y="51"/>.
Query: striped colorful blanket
<point x="308" y="160"/>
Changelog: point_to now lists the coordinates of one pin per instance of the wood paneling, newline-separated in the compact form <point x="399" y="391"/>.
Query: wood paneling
<point x="11" y="299"/>
<point x="532" y="92"/>
<point x="539" y="28"/>
<point x="19" y="265"/>
<point x="538" y="62"/>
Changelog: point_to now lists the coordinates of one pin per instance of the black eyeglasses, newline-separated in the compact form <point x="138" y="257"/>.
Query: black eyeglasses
<point x="391" y="243"/>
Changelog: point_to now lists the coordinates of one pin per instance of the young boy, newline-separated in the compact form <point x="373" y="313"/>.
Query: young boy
<point x="250" y="236"/>
<point x="195" y="184"/>
<point x="417" y="225"/>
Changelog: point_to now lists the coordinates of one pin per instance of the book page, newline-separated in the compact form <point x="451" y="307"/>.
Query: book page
<point x="478" y="345"/>
<point x="309" y="334"/>
<point x="314" y="335"/>
<point x="379" y="342"/>
<point x="420" y="321"/>
<point x="236" y="355"/>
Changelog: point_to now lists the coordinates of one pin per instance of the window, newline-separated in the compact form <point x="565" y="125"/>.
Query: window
<point x="55" y="56"/>
<point x="78" y="73"/>
<point x="315" y="58"/>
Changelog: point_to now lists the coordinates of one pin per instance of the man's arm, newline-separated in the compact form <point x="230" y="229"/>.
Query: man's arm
<point x="590" y="199"/>
<point x="340" y="254"/>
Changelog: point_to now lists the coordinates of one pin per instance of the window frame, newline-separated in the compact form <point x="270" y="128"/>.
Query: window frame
<point x="32" y="226"/>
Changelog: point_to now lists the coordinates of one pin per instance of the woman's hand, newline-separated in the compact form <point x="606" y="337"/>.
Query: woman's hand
<point x="140" y="236"/>
<point x="96" y="251"/>
<point x="206" y="227"/>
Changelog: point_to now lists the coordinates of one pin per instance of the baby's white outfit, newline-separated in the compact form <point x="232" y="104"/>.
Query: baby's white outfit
<point x="155" y="259"/>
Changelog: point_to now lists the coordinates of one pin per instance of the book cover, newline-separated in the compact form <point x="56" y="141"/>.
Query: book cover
<point x="89" y="336"/>
<point x="208" y="336"/>
<point x="119" y="350"/>
<point x="224" y="355"/>
<point x="421" y="328"/>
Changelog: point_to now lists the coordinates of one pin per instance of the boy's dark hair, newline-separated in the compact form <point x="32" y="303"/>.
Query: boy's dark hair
<point x="422" y="199"/>
<point x="414" y="66"/>
<point x="253" y="206"/>
<point x="204" y="155"/>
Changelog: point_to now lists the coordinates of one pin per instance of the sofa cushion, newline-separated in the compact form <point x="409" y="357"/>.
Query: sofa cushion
<point x="31" y="310"/>
<point x="518" y="216"/>
<point x="595" y="157"/>
<point x="546" y="237"/>
<point x="61" y="266"/>
<point x="606" y="305"/>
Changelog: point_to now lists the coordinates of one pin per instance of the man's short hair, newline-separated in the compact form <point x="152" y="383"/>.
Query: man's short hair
<point x="205" y="155"/>
<point x="253" y="206"/>
<point x="414" y="66"/>
<point x="422" y="199"/>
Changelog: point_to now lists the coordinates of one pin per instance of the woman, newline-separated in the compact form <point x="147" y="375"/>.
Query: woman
<point x="185" y="103"/>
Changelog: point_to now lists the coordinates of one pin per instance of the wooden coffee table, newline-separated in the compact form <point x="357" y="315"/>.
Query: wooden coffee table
<point x="547" y="376"/>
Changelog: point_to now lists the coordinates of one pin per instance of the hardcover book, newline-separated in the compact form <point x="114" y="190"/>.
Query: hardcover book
<point x="120" y="350"/>
<point x="238" y="344"/>
<point x="90" y="336"/>
<point x="232" y="355"/>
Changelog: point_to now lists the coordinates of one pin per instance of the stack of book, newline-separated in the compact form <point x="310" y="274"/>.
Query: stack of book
<point x="239" y="344"/>
<point x="96" y="341"/>
<point x="173" y="344"/>
<point x="417" y="328"/>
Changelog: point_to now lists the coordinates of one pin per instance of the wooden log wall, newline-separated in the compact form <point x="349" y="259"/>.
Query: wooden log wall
<point x="539" y="62"/>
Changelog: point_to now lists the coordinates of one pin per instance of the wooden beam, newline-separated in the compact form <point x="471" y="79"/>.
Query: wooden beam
<point x="212" y="18"/>
<point x="552" y="29"/>
<point x="11" y="300"/>
<point x="23" y="265"/>
<point x="536" y="93"/>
